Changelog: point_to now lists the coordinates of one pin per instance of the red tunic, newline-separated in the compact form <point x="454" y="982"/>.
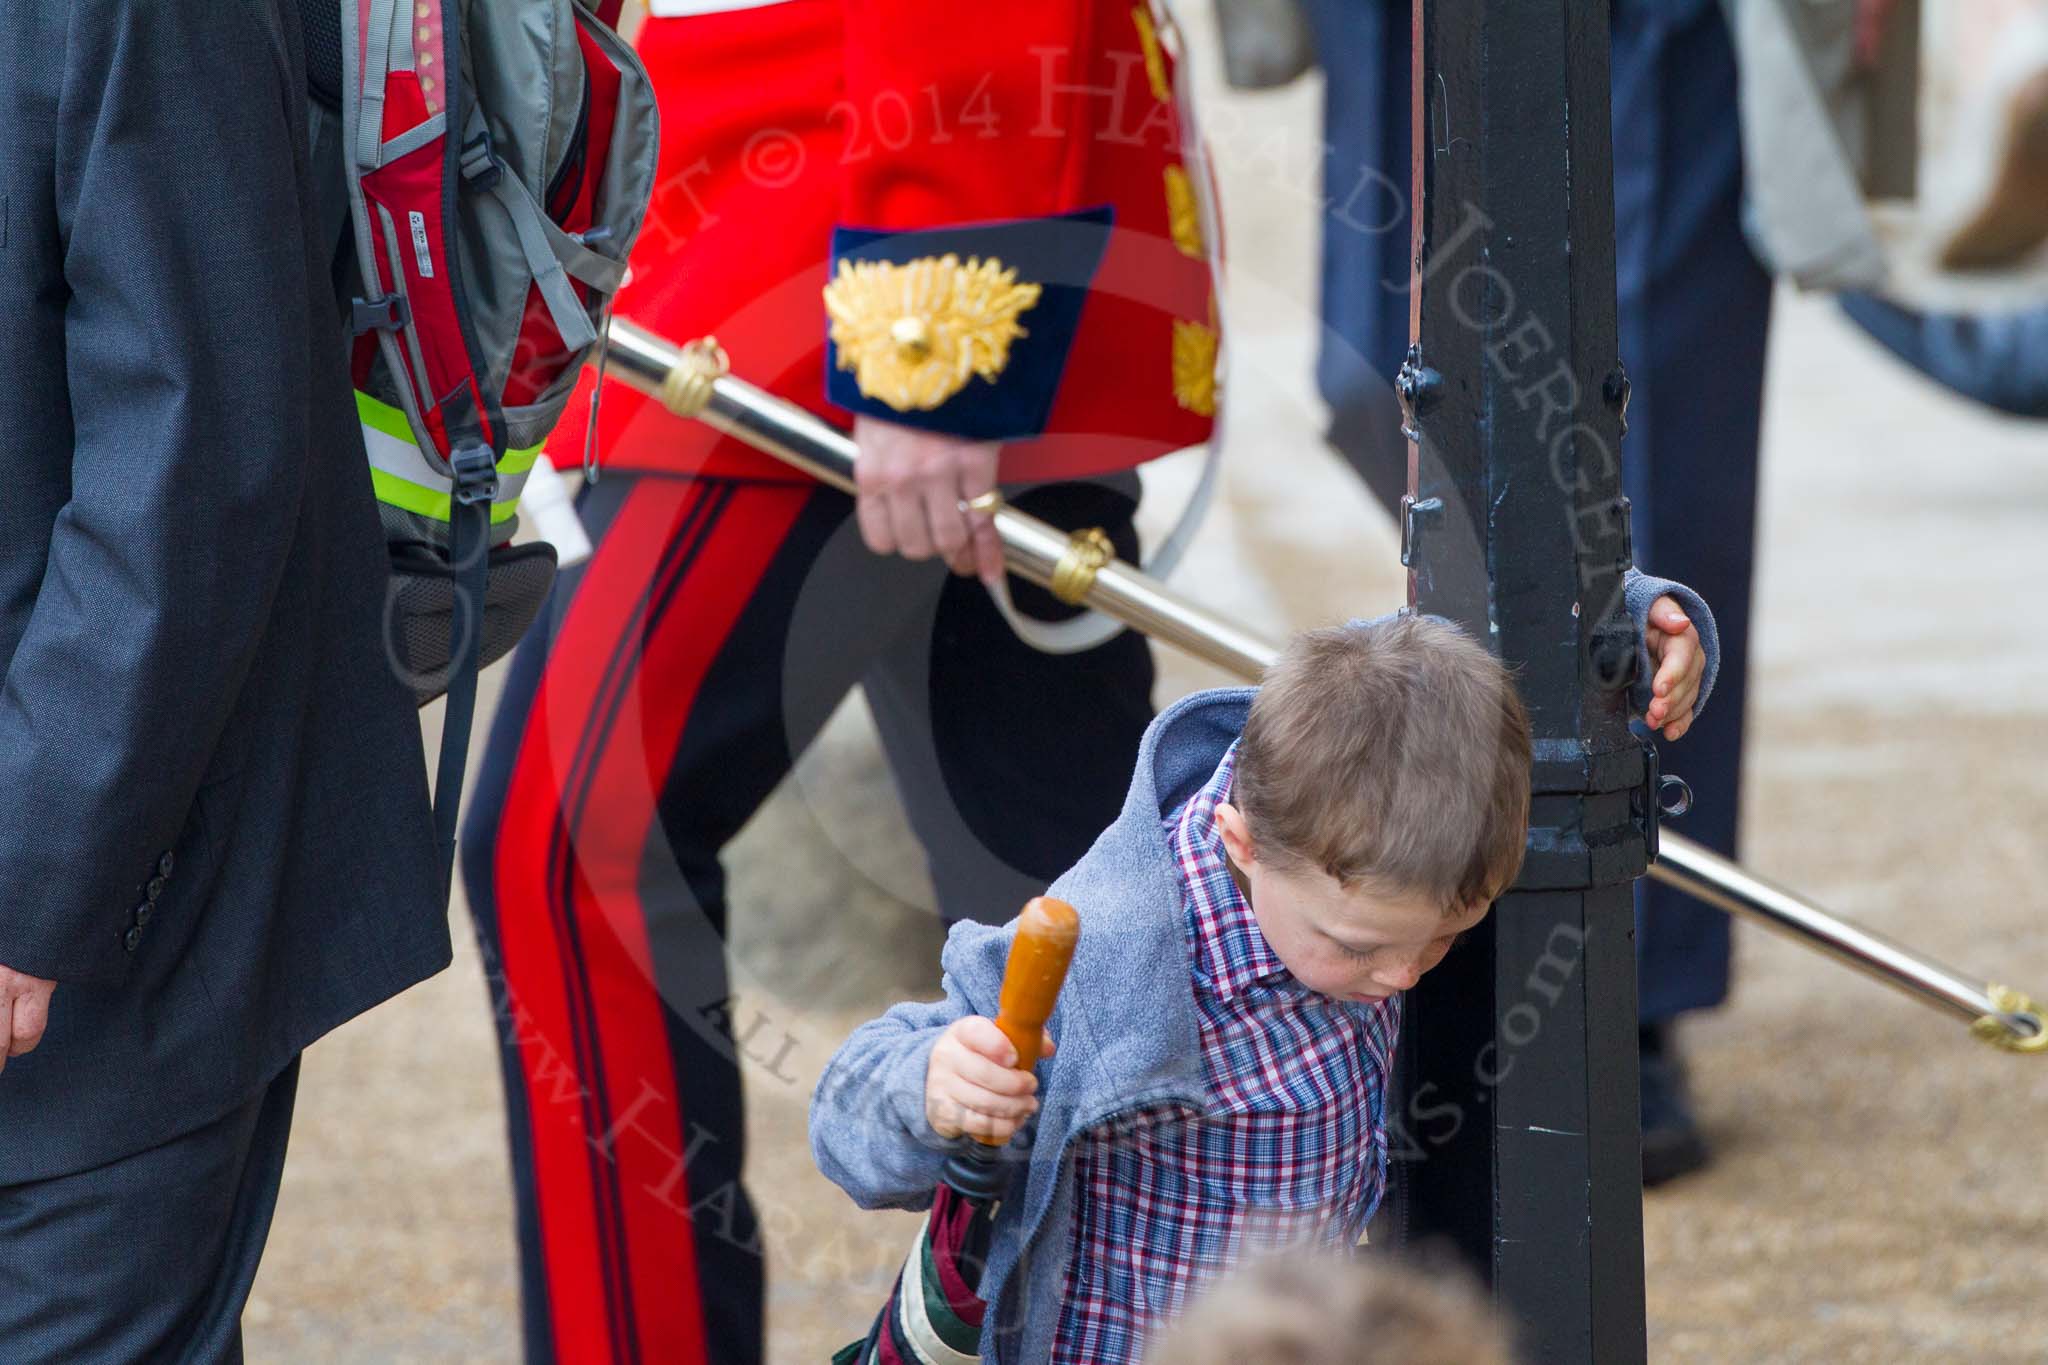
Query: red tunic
<point x="1047" y="135"/>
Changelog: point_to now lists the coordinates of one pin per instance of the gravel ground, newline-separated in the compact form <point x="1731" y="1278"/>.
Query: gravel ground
<point x="1878" y="1196"/>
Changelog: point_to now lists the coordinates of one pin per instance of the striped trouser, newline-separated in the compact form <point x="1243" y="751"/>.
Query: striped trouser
<point x="661" y="698"/>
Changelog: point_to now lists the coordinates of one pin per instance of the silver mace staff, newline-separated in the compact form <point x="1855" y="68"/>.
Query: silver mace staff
<point x="1081" y="569"/>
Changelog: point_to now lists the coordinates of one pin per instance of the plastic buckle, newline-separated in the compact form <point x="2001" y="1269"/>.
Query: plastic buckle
<point x="476" y="475"/>
<point x="386" y="313"/>
<point x="480" y="161"/>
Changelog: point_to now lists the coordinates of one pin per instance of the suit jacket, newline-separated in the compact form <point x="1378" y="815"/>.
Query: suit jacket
<point x="214" y="830"/>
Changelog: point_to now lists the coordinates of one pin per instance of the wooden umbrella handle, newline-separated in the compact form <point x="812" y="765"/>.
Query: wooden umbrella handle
<point x="1046" y="934"/>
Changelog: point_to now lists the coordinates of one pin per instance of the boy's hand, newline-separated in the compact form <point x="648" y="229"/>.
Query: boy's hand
<point x="972" y="1086"/>
<point x="1674" y="645"/>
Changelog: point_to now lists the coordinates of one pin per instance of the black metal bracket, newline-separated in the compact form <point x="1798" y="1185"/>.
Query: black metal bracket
<point x="1644" y="806"/>
<point x="1417" y="516"/>
<point x="1591" y="816"/>
<point x="1615" y="391"/>
<point x="1418" y="387"/>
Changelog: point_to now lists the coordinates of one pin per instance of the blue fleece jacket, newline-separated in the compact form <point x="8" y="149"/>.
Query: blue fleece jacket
<point x="1126" y="1025"/>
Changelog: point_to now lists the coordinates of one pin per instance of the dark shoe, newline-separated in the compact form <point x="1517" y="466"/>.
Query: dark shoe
<point x="1672" y="1145"/>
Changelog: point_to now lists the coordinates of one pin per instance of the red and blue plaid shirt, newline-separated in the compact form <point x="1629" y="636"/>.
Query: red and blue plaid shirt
<point x="1292" y="1152"/>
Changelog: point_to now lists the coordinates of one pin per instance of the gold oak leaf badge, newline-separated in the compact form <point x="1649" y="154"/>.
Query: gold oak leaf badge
<point x="1194" y="366"/>
<point x="914" y="334"/>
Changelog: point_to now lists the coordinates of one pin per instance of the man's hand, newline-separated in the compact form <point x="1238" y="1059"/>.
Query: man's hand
<point x="1674" y="645"/>
<point x="24" y="1010"/>
<point x="971" y="1084"/>
<point x="911" y="486"/>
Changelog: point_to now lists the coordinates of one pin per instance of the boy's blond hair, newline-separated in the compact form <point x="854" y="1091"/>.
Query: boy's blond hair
<point x="1327" y="1310"/>
<point x="1393" y="756"/>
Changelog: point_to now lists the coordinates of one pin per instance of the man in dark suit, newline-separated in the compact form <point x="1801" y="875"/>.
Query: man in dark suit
<point x="214" y="835"/>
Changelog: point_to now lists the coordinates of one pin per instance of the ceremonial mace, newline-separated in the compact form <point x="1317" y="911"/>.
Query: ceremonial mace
<point x="1082" y="570"/>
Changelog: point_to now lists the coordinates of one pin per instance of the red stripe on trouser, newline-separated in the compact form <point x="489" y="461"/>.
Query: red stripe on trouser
<point x="601" y="1013"/>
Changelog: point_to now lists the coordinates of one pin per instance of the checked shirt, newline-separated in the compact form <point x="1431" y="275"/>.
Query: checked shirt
<point x="1292" y="1151"/>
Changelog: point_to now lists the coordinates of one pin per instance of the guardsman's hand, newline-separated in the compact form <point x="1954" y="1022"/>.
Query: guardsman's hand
<point x="24" y="1010"/>
<point x="911" y="484"/>
<point x="1674" y="645"/>
<point x="972" y="1086"/>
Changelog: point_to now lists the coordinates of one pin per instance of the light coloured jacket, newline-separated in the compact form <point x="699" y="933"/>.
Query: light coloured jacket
<point x="1819" y="135"/>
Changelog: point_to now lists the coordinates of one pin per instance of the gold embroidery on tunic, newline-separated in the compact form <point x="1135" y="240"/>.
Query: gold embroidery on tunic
<point x="914" y="334"/>
<point x="1184" y="213"/>
<point x="1194" y="366"/>
<point x="1155" y="59"/>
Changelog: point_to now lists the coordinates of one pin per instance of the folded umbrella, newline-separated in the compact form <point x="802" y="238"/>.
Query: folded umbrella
<point x="935" y="1311"/>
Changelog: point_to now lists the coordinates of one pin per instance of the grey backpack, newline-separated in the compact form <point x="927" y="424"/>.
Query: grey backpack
<point x="489" y="164"/>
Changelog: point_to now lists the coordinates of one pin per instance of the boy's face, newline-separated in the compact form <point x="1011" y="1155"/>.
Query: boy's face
<point x="1350" y="944"/>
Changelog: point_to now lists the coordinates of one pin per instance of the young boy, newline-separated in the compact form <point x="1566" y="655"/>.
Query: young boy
<point x="1289" y="859"/>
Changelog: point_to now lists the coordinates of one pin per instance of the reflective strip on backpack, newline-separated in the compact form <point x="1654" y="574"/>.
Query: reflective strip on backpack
<point x="405" y="479"/>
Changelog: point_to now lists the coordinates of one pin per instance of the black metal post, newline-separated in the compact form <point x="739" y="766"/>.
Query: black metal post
<point x="1522" y="1102"/>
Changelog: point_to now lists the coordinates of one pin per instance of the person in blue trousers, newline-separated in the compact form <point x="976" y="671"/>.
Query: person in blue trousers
<point x="1694" y="309"/>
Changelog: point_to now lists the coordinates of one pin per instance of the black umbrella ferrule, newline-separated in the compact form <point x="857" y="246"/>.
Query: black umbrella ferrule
<point x="977" y="1172"/>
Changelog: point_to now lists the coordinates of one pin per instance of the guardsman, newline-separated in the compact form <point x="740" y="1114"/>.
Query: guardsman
<point x="980" y="238"/>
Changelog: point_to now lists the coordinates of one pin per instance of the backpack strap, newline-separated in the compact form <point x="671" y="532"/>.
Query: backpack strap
<point x="469" y="549"/>
<point x="368" y="88"/>
<point x="553" y="257"/>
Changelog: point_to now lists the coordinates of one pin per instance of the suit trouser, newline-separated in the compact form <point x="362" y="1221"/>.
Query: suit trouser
<point x="148" y="1258"/>
<point x="1694" y="307"/>
<point x="663" y="696"/>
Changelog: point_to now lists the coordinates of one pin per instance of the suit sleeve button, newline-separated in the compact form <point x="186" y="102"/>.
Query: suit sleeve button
<point x="143" y="913"/>
<point x="165" y="864"/>
<point x="155" y="888"/>
<point x="131" y="939"/>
